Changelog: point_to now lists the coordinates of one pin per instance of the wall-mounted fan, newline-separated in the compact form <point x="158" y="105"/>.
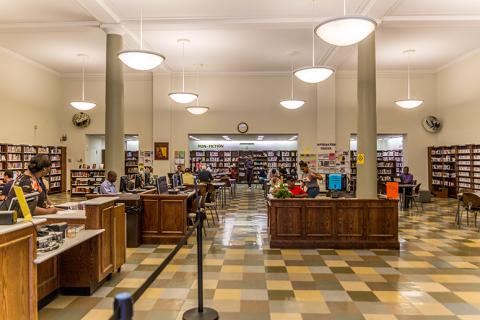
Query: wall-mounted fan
<point x="432" y="124"/>
<point x="81" y="120"/>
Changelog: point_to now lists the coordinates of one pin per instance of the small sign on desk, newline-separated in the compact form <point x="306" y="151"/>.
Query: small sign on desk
<point x="392" y="190"/>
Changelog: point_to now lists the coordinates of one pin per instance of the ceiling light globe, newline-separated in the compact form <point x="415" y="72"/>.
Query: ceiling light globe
<point x="409" y="103"/>
<point x="197" y="110"/>
<point x="314" y="74"/>
<point x="141" y="60"/>
<point x="292" y="104"/>
<point x="183" y="97"/>
<point x="345" y="31"/>
<point x="83" y="105"/>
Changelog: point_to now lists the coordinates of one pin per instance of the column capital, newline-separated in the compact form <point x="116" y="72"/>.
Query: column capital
<point x="113" y="28"/>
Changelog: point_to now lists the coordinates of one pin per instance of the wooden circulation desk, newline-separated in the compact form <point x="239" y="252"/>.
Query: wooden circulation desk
<point x="164" y="217"/>
<point x="333" y="223"/>
<point x="79" y="266"/>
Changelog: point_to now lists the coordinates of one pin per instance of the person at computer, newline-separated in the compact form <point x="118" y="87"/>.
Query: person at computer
<point x="188" y="178"/>
<point x="406" y="177"/>
<point x="31" y="181"/>
<point x="8" y="180"/>
<point x="296" y="191"/>
<point x="147" y="178"/>
<point x="310" y="178"/>
<point x="108" y="186"/>
<point x="204" y="175"/>
<point x="273" y="173"/>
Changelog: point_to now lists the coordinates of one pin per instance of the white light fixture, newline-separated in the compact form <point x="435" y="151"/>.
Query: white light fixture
<point x="194" y="138"/>
<point x="408" y="103"/>
<point x="293" y="138"/>
<point x="314" y="74"/>
<point x="260" y="138"/>
<point x="346" y="30"/>
<point x="183" y="97"/>
<point x="142" y="60"/>
<point x="83" y="105"/>
<point x="292" y="104"/>
<point x="197" y="109"/>
<point x="226" y="138"/>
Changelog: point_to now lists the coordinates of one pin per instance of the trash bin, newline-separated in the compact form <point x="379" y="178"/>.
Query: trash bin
<point x="133" y="226"/>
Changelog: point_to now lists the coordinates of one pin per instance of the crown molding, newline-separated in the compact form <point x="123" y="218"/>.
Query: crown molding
<point x="28" y="61"/>
<point x="101" y="76"/>
<point x="459" y="59"/>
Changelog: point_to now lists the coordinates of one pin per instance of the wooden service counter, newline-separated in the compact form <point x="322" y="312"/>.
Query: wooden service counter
<point x="79" y="266"/>
<point x="333" y="223"/>
<point x="164" y="217"/>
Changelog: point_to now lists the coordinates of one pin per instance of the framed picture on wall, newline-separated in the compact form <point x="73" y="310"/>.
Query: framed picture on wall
<point x="161" y="151"/>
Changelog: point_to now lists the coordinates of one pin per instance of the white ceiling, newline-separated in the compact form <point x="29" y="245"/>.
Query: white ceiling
<point x="237" y="35"/>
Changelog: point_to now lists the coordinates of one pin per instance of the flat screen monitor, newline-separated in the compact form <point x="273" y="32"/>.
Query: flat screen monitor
<point x="162" y="186"/>
<point x="31" y="198"/>
<point x="138" y="181"/>
<point x="170" y="178"/>
<point x="180" y="179"/>
<point x="175" y="181"/>
<point x="123" y="183"/>
<point x="336" y="182"/>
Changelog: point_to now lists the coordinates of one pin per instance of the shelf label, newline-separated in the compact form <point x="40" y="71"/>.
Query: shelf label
<point x="361" y="158"/>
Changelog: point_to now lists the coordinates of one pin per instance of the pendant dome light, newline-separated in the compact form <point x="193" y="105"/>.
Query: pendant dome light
<point x="346" y="30"/>
<point x="409" y="103"/>
<point x="183" y="97"/>
<point x="83" y="105"/>
<point x="313" y="74"/>
<point x="292" y="104"/>
<point x="197" y="109"/>
<point x="141" y="60"/>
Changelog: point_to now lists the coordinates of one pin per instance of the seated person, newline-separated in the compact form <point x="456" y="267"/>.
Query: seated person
<point x="188" y="178"/>
<point x="233" y="172"/>
<point x="32" y="181"/>
<point x="296" y="191"/>
<point x="204" y="175"/>
<point x="406" y="177"/>
<point x="275" y="184"/>
<point x="8" y="179"/>
<point x="148" y="179"/>
<point x="283" y="171"/>
<point x="179" y="169"/>
<point x="273" y="173"/>
<point x="108" y="186"/>
<point x="262" y="175"/>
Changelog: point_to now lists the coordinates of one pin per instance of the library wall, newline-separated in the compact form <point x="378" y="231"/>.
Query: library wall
<point x="458" y="101"/>
<point x="29" y="96"/>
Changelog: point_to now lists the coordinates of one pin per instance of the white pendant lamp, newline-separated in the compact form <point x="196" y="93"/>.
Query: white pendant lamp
<point x="292" y="103"/>
<point x="346" y="30"/>
<point x="409" y="103"/>
<point x="83" y="105"/>
<point x="183" y="97"/>
<point x="197" y="109"/>
<point x="141" y="60"/>
<point x="314" y="74"/>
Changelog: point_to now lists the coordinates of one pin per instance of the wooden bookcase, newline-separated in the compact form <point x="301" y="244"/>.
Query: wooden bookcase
<point x="389" y="166"/>
<point x="225" y="159"/>
<point x="17" y="157"/>
<point x="131" y="163"/>
<point x="451" y="168"/>
<point x="83" y="181"/>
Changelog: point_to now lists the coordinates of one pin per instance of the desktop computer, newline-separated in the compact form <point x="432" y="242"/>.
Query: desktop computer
<point x="336" y="183"/>
<point x="162" y="186"/>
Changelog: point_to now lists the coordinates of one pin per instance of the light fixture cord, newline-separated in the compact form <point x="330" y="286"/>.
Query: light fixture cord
<point x="198" y="82"/>
<point x="183" y="66"/>
<point x="291" y="79"/>
<point x="141" y="28"/>
<point x="344" y="8"/>
<point x="408" y="76"/>
<point x="83" y="78"/>
<point x="313" y="35"/>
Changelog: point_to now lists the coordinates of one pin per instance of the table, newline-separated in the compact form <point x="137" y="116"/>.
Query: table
<point x="404" y="187"/>
<point x="221" y="187"/>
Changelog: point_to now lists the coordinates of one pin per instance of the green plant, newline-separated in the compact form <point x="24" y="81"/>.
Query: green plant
<point x="282" y="192"/>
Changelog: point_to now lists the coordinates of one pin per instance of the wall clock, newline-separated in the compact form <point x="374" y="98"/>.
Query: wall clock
<point x="432" y="124"/>
<point x="81" y="120"/>
<point x="242" y="127"/>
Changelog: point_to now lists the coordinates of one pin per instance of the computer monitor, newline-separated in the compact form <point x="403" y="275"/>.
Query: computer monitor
<point x="170" y="178"/>
<point x="336" y="182"/>
<point x="180" y="179"/>
<point x="162" y="186"/>
<point x="138" y="181"/>
<point x="31" y="198"/>
<point x="175" y="181"/>
<point x="123" y="183"/>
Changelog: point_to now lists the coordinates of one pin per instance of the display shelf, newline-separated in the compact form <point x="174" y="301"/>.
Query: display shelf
<point x="83" y="181"/>
<point x="131" y="163"/>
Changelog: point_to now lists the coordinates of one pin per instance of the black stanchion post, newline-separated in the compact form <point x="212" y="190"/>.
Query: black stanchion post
<point x="200" y="313"/>
<point x="123" y="306"/>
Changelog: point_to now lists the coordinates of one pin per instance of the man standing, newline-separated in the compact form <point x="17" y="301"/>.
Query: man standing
<point x="108" y="186"/>
<point x="249" y="166"/>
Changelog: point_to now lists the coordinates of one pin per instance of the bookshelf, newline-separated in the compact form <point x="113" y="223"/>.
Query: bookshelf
<point x="131" y="163"/>
<point x="17" y="157"/>
<point x="222" y="160"/>
<point x="83" y="181"/>
<point x="389" y="166"/>
<point x="454" y="167"/>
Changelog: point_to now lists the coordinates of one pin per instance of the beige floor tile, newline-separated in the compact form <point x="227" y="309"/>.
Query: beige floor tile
<point x="432" y="309"/>
<point x="130" y="283"/>
<point x="228" y="294"/>
<point x="274" y="263"/>
<point x="354" y="286"/>
<point x="285" y="316"/>
<point x="469" y="297"/>
<point x="364" y="270"/>
<point x="298" y="270"/>
<point x="279" y="285"/>
<point x="96" y="314"/>
<point x="431" y="287"/>
<point x="390" y="296"/>
<point x="308" y="295"/>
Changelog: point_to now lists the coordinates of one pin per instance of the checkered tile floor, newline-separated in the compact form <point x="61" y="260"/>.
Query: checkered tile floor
<point x="434" y="276"/>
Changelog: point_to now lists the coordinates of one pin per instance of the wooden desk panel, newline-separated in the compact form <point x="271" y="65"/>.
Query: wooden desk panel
<point x="18" y="283"/>
<point x="333" y="223"/>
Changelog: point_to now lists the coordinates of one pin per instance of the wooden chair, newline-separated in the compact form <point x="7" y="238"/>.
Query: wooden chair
<point x="470" y="203"/>
<point x="193" y="215"/>
<point x="211" y="203"/>
<point x="460" y="193"/>
<point x="414" y="196"/>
